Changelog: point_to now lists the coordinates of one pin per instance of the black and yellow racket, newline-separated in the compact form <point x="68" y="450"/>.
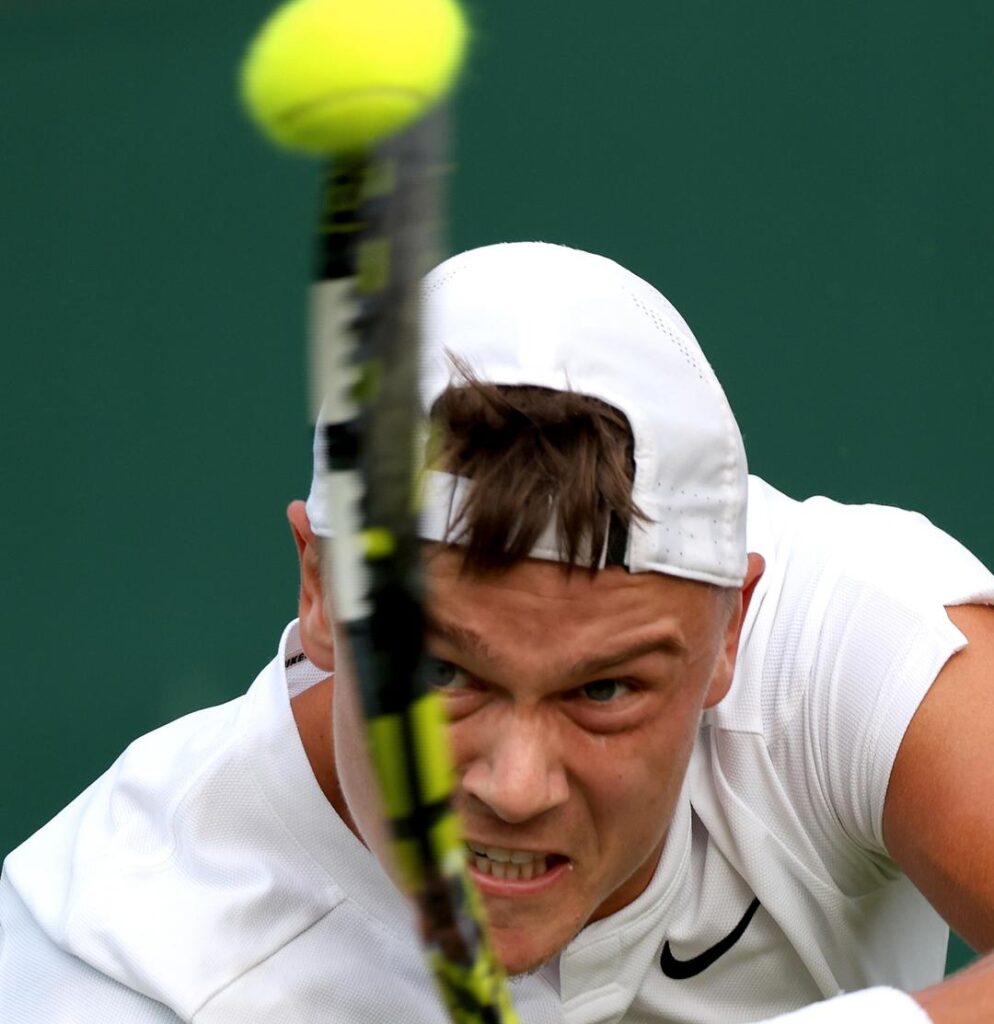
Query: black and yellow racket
<point x="379" y="231"/>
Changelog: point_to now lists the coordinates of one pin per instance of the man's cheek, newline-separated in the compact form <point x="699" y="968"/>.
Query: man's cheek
<point x="642" y="804"/>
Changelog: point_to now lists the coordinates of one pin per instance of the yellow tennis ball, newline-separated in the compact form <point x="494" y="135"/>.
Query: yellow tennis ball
<point x="336" y="76"/>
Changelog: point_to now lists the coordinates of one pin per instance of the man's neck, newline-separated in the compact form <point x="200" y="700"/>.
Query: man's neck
<point x="312" y="715"/>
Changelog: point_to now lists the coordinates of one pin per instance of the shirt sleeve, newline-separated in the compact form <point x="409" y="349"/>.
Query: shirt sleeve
<point x="42" y="984"/>
<point x="884" y="636"/>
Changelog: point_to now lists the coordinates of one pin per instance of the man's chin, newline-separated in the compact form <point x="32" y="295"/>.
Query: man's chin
<point x="524" y="968"/>
<point x="529" y="972"/>
<point x="522" y="955"/>
<point x="528" y="934"/>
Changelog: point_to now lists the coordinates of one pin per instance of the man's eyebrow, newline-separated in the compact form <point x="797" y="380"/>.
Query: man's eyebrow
<point x="460" y="637"/>
<point x="465" y="639"/>
<point x="665" y="643"/>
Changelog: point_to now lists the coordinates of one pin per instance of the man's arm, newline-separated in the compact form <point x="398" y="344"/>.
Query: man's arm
<point x="938" y="825"/>
<point x="939" y="812"/>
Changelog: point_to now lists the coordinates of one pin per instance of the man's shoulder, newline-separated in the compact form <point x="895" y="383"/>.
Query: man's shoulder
<point x="80" y="885"/>
<point x="881" y="546"/>
<point x="837" y="577"/>
<point x="846" y="631"/>
<point x="341" y="967"/>
<point x="173" y="872"/>
<point x="126" y="817"/>
<point x="40" y="982"/>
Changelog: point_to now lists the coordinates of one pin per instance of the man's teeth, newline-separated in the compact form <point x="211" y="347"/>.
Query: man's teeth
<point x="511" y="865"/>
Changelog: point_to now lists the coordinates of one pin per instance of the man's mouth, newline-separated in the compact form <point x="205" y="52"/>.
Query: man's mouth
<point x="512" y="865"/>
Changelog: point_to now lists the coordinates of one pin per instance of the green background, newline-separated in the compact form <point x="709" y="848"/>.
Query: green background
<point x="809" y="182"/>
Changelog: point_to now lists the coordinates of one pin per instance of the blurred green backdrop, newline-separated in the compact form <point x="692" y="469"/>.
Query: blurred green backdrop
<point x="808" y="181"/>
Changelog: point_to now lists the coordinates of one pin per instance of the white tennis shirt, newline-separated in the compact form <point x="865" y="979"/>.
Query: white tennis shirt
<point x="205" y="878"/>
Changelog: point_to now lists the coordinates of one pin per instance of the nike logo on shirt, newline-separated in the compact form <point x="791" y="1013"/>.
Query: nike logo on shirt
<point x="680" y="969"/>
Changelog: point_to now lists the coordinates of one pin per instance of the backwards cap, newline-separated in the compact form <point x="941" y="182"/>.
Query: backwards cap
<point x="530" y="313"/>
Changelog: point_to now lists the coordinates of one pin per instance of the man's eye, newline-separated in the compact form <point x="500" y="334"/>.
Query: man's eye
<point x="603" y="691"/>
<point x="440" y="675"/>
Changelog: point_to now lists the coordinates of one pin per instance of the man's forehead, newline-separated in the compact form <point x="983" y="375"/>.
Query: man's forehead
<point x="548" y="593"/>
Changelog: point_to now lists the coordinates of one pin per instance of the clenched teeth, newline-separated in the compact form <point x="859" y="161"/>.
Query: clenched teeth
<point x="511" y="865"/>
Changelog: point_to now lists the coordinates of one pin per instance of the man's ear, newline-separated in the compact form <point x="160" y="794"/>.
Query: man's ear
<point x="316" y="633"/>
<point x="725" y="669"/>
<point x="754" y="572"/>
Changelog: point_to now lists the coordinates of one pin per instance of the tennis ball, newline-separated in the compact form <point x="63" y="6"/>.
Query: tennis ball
<point x="335" y="76"/>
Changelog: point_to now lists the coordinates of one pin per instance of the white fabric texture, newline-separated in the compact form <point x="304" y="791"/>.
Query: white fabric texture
<point x="205" y="876"/>
<point x="41" y="982"/>
<point x="554" y="317"/>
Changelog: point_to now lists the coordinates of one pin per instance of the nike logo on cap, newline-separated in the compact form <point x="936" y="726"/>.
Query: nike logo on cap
<point x="680" y="969"/>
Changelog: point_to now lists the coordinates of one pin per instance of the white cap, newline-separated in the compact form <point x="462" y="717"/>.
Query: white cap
<point x="554" y="317"/>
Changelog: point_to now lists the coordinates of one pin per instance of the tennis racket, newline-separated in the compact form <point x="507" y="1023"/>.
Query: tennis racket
<point x="380" y="224"/>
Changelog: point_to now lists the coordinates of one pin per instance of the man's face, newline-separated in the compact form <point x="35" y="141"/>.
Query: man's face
<point x="574" y="702"/>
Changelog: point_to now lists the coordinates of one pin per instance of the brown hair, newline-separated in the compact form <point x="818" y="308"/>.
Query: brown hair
<point x="534" y="453"/>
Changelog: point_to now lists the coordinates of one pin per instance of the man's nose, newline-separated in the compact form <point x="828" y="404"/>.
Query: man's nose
<point x="519" y="775"/>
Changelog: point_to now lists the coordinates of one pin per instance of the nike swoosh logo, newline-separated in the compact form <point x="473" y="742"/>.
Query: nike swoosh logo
<point x="678" y="970"/>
